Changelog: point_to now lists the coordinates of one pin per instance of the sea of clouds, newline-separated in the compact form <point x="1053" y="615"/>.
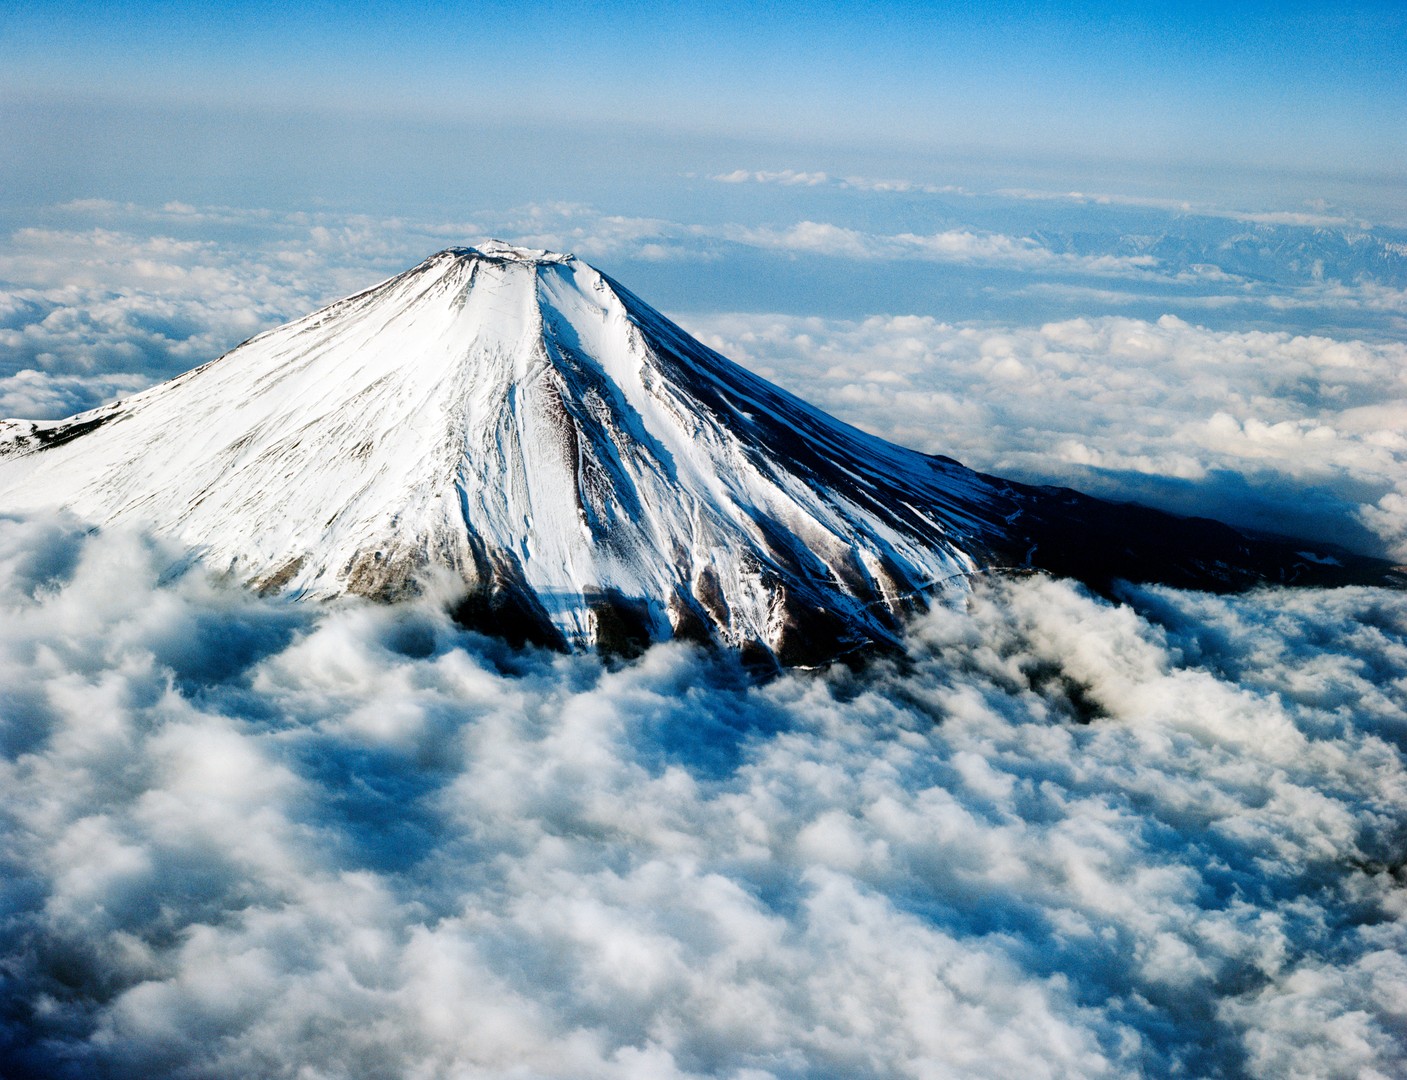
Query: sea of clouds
<point x="1060" y="837"/>
<point x="1063" y="837"/>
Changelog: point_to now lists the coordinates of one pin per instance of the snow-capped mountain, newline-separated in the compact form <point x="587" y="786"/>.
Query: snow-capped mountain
<point x="581" y="470"/>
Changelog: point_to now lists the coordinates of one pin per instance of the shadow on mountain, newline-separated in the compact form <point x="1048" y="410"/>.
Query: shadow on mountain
<point x="1099" y="543"/>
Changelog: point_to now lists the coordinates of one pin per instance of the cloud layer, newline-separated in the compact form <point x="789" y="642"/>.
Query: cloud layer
<point x="121" y="291"/>
<point x="1295" y="433"/>
<point x="87" y="313"/>
<point x="1064" y="838"/>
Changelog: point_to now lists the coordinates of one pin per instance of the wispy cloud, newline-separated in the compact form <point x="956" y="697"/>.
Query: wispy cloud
<point x="785" y="177"/>
<point x="954" y="245"/>
<point x="1313" y="218"/>
<point x="800" y="178"/>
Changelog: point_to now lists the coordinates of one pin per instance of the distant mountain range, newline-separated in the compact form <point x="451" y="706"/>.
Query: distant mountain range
<point x="516" y="429"/>
<point x="1287" y="256"/>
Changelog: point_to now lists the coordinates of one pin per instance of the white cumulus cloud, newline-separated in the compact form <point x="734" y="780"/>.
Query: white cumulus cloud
<point x="1063" y="838"/>
<point x="1291" y="432"/>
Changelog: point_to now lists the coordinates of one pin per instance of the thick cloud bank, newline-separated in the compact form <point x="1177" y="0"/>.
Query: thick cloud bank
<point x="1066" y="838"/>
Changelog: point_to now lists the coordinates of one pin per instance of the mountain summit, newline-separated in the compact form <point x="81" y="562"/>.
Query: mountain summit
<point x="583" y="470"/>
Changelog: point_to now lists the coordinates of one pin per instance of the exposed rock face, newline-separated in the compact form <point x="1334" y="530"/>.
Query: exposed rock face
<point x="587" y="472"/>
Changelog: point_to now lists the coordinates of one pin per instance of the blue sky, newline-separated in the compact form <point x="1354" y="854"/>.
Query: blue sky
<point x="1301" y="87"/>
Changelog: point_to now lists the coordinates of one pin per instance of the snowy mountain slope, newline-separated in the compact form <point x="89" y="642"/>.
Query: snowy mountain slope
<point x="583" y="469"/>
